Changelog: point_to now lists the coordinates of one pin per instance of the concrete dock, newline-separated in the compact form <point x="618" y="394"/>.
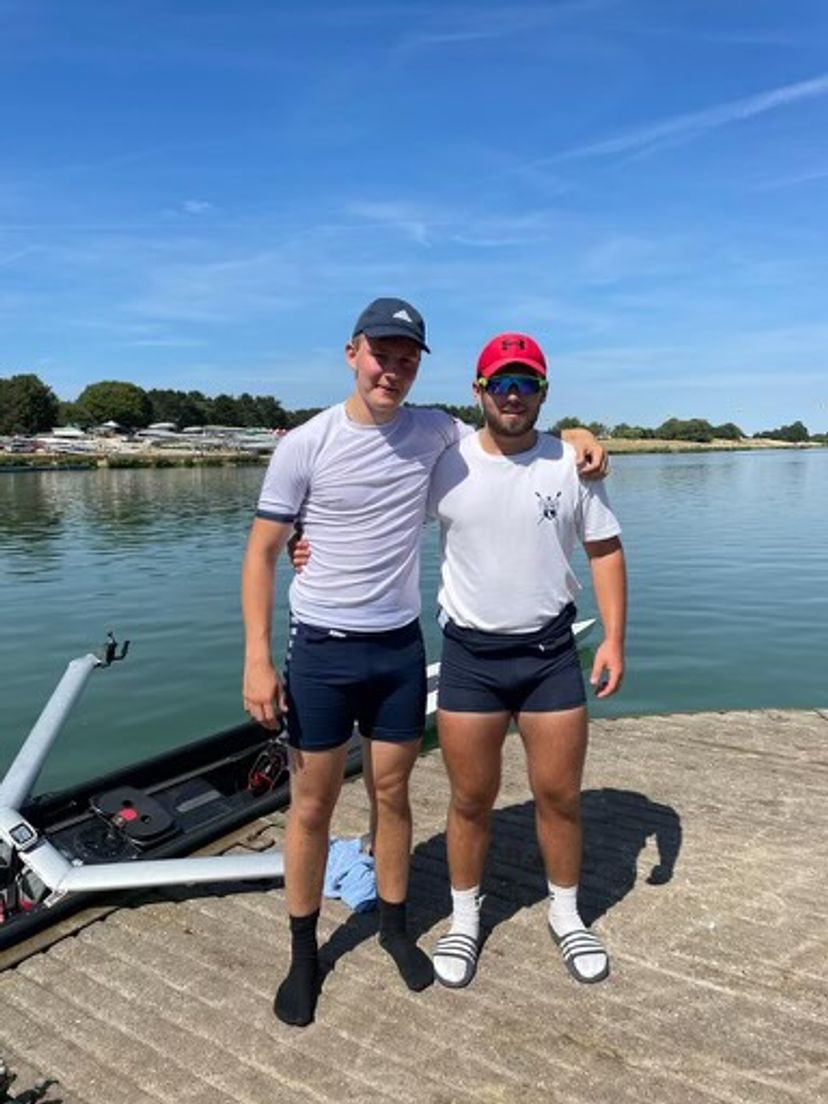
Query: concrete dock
<point x="706" y="840"/>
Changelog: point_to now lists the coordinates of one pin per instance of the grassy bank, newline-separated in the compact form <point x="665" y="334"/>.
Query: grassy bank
<point x="615" y="445"/>
<point x="40" y="461"/>
<point x="46" y="461"/>
<point x="161" y="458"/>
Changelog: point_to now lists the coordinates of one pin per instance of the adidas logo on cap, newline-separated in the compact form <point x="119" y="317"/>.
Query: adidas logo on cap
<point x="392" y="318"/>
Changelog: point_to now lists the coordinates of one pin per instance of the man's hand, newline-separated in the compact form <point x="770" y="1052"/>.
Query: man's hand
<point x="299" y="550"/>
<point x="591" y="458"/>
<point x="263" y="693"/>
<point x="609" y="659"/>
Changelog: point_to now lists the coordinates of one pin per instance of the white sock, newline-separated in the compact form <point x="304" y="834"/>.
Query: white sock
<point x="565" y="918"/>
<point x="465" y="920"/>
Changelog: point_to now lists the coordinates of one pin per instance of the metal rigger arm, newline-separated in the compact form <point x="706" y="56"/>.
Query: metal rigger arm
<point x="44" y="860"/>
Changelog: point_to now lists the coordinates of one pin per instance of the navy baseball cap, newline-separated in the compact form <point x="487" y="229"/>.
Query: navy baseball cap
<point x="392" y="318"/>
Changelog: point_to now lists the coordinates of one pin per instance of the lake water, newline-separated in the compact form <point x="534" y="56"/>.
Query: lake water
<point x="728" y="565"/>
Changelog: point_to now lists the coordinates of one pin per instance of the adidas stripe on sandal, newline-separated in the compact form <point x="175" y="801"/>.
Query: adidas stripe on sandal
<point x="457" y="947"/>
<point x="577" y="945"/>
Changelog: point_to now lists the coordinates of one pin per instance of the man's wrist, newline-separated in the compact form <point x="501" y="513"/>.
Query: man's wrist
<point x="258" y="657"/>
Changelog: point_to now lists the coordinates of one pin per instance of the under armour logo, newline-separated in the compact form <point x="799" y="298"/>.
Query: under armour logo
<point x="548" y="505"/>
<point x="512" y="343"/>
<point x="403" y="315"/>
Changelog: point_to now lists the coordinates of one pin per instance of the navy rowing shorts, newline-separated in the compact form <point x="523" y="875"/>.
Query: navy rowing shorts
<point x="335" y="679"/>
<point x="537" y="672"/>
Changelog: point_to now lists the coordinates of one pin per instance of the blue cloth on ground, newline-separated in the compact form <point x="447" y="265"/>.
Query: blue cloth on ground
<point x="349" y="874"/>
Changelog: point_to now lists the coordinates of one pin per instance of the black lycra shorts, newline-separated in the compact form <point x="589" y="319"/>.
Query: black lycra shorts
<point x="335" y="679"/>
<point x="537" y="672"/>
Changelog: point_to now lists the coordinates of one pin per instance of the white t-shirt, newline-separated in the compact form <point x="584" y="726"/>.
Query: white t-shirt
<point x="509" y="525"/>
<point x="359" y="492"/>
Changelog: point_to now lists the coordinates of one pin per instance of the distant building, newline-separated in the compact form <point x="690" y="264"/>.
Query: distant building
<point x="68" y="433"/>
<point x="108" y="429"/>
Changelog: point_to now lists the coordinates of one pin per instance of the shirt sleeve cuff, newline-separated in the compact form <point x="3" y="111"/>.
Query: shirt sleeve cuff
<point x="275" y="515"/>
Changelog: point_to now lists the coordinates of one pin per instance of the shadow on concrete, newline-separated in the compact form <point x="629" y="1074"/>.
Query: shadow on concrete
<point x="39" y="1091"/>
<point x="617" y="826"/>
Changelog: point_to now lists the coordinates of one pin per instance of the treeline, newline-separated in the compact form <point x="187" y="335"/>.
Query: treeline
<point x="692" y="429"/>
<point x="471" y="415"/>
<point x="28" y="406"/>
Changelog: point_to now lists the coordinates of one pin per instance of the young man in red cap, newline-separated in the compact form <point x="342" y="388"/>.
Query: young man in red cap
<point x="356" y="477"/>
<point x="511" y="505"/>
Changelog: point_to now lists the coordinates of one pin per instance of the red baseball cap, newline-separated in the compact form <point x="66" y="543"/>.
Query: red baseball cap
<point x="511" y="348"/>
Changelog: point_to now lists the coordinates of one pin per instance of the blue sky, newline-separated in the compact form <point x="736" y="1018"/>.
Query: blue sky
<point x="199" y="194"/>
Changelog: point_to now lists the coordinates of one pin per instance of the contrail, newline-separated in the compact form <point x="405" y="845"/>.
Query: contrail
<point x="697" y="122"/>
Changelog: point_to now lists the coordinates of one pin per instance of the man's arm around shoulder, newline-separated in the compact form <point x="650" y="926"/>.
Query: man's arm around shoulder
<point x="263" y="693"/>
<point x="591" y="458"/>
<point x="609" y="580"/>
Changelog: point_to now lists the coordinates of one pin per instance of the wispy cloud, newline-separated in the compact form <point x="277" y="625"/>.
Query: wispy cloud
<point x="805" y="177"/>
<point x="10" y="258"/>
<point x="621" y="256"/>
<point x="408" y="219"/>
<point x="448" y="224"/>
<point x="216" y="291"/>
<point x="449" y="38"/>
<point x="743" y="36"/>
<point x="552" y="312"/>
<point x="499" y="22"/>
<point x="695" y="123"/>
<point x="164" y="343"/>
<point x="757" y="38"/>
<point x="197" y="207"/>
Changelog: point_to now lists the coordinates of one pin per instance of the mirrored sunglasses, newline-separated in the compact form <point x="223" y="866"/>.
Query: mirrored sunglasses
<point x="524" y="385"/>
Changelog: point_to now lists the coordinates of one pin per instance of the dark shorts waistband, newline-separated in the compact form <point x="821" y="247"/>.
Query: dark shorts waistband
<point x="403" y="633"/>
<point x="484" y="643"/>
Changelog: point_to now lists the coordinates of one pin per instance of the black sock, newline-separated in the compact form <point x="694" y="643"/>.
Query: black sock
<point x="295" y="1001"/>
<point x="414" y="965"/>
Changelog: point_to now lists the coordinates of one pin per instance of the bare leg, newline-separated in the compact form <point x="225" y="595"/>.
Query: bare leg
<point x="555" y="746"/>
<point x="315" y="782"/>
<point x="390" y="767"/>
<point x="368" y="780"/>
<point x="471" y="744"/>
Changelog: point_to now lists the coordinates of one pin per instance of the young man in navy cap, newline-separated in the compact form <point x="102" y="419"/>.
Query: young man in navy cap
<point x="356" y="477"/>
<point x="506" y="608"/>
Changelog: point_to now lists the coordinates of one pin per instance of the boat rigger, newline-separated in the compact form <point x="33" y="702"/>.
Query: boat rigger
<point x="115" y="836"/>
